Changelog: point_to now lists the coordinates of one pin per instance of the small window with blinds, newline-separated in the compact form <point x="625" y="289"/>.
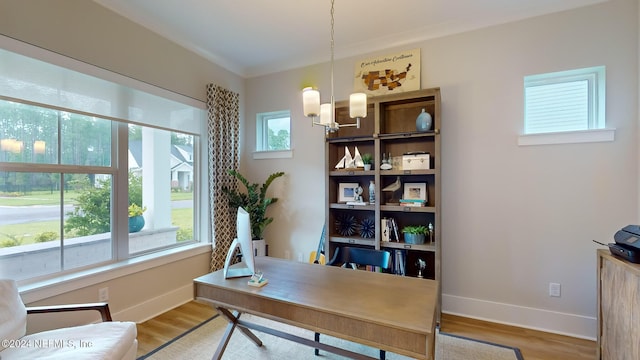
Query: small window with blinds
<point x="564" y="101"/>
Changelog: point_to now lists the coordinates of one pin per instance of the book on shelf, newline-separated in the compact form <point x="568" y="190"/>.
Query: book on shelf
<point x="389" y="229"/>
<point x="399" y="259"/>
<point x="412" y="202"/>
<point x="373" y="268"/>
<point x="385" y="229"/>
<point x="394" y="229"/>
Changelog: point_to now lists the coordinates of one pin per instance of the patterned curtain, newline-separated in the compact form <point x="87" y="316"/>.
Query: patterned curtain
<point x="223" y="130"/>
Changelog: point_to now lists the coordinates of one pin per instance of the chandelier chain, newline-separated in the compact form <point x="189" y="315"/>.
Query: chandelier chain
<point x="333" y="105"/>
<point x="332" y="32"/>
<point x="312" y="106"/>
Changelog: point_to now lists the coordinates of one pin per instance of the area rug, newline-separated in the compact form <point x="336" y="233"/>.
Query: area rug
<point x="201" y="342"/>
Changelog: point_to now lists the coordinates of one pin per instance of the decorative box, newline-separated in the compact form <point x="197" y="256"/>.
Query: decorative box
<point x="385" y="230"/>
<point x="416" y="161"/>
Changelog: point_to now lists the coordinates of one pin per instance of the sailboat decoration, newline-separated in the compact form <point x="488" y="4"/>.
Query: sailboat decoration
<point x="350" y="162"/>
<point x="346" y="160"/>
<point x="357" y="160"/>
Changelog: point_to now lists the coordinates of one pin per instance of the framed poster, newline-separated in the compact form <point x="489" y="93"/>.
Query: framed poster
<point x="347" y="192"/>
<point x="388" y="74"/>
<point x="415" y="191"/>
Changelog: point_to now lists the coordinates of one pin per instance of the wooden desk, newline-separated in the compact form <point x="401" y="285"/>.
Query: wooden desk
<point x="384" y="311"/>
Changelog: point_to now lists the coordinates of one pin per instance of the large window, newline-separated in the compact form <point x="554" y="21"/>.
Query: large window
<point x="80" y="158"/>
<point x="57" y="189"/>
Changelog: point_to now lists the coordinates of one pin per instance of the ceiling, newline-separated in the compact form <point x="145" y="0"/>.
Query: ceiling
<point x="253" y="37"/>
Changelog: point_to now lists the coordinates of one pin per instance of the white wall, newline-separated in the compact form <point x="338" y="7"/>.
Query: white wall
<point x="514" y="218"/>
<point x="88" y="32"/>
<point x="522" y="217"/>
<point x="299" y="213"/>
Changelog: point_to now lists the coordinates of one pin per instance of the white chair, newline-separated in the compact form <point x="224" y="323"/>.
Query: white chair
<point x="105" y="340"/>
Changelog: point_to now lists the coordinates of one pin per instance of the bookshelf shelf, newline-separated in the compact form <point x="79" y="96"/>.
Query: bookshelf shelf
<point x="352" y="240"/>
<point x="405" y="209"/>
<point x="403" y="245"/>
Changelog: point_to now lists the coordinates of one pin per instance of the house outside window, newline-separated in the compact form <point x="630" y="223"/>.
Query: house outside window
<point x="166" y="187"/>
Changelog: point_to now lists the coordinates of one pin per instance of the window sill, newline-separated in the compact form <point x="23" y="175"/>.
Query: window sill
<point x="73" y="281"/>
<point x="568" y="137"/>
<point x="282" y="154"/>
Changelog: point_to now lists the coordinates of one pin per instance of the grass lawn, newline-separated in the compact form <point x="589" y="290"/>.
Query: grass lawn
<point x="26" y="232"/>
<point x="53" y="198"/>
<point x="182" y="217"/>
<point x="37" y="198"/>
<point x="181" y="196"/>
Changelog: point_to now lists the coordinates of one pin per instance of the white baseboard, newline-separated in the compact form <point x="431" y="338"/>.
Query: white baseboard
<point x="156" y="306"/>
<point x="577" y="326"/>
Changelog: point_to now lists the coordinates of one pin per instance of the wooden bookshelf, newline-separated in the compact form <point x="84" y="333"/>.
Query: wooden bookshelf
<point x="390" y="127"/>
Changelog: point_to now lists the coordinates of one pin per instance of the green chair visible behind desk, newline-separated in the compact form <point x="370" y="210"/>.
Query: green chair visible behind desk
<point x="354" y="256"/>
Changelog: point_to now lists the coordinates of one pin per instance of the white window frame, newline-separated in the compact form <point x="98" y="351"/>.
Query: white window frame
<point x="122" y="262"/>
<point x="262" y="136"/>
<point x="594" y="129"/>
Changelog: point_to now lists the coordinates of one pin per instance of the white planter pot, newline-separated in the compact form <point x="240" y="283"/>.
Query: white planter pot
<point x="259" y="247"/>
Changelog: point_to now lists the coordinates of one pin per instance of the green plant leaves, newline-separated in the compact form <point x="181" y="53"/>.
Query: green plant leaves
<point x="254" y="201"/>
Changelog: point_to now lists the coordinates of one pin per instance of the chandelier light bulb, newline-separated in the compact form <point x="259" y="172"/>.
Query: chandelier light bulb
<point x="311" y="102"/>
<point x="358" y="105"/>
<point x="326" y="117"/>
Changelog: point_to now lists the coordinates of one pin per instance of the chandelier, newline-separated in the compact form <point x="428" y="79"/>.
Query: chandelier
<point x="326" y="112"/>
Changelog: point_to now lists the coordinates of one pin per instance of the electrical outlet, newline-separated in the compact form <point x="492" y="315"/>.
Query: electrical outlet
<point x="300" y="258"/>
<point x="554" y="289"/>
<point x="103" y="294"/>
<point x="287" y="254"/>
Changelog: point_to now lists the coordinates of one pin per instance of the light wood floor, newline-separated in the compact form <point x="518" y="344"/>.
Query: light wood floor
<point x="534" y="345"/>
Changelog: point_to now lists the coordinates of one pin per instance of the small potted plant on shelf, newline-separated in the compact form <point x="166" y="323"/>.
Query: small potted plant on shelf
<point x="136" y="220"/>
<point x="415" y="234"/>
<point x="367" y="159"/>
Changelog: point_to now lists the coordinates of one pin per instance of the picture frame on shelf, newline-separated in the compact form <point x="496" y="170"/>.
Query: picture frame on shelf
<point x="347" y="192"/>
<point x="415" y="191"/>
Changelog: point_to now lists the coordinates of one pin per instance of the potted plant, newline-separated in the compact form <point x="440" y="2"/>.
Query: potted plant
<point x="415" y="234"/>
<point x="367" y="160"/>
<point x="254" y="201"/>
<point x="136" y="220"/>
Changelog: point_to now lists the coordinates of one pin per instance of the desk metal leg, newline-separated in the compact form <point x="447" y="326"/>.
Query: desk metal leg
<point x="233" y="319"/>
